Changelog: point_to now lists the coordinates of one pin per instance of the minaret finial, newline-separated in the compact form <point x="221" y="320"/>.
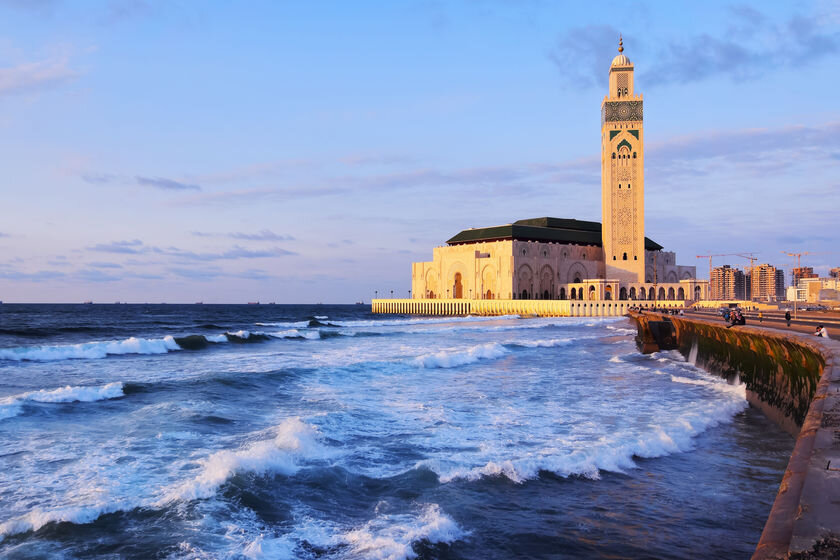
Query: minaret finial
<point x="620" y="44"/>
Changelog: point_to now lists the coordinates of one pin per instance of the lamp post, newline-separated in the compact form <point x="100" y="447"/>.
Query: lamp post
<point x="375" y="294"/>
<point x="409" y="294"/>
<point x="470" y="293"/>
<point x="392" y="294"/>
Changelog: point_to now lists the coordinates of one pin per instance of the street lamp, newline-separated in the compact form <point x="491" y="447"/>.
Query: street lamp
<point x="392" y="294"/>
<point x="409" y="294"/>
<point x="376" y="294"/>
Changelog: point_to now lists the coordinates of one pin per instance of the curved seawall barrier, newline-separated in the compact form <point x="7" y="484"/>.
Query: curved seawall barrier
<point x="795" y="380"/>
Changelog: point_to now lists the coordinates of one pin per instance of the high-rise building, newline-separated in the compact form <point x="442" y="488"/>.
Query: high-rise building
<point x="834" y="272"/>
<point x="727" y="283"/>
<point x="802" y="272"/>
<point x="768" y="283"/>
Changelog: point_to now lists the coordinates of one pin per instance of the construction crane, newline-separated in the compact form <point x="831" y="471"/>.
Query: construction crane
<point x="710" y="262"/>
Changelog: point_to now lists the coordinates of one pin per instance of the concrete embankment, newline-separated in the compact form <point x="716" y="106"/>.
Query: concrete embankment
<point x="795" y="379"/>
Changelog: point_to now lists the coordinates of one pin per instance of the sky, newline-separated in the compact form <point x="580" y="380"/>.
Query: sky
<point x="302" y="152"/>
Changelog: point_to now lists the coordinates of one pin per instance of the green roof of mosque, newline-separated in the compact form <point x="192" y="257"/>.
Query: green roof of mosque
<point x="556" y="230"/>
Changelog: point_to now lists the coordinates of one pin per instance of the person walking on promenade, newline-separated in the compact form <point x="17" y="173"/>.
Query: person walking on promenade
<point x="760" y="317"/>
<point x="787" y="317"/>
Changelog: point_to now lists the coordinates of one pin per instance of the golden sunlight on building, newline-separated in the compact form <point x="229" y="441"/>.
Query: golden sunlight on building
<point x="564" y="266"/>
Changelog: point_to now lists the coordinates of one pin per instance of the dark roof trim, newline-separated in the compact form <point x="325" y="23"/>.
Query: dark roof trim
<point x="549" y="230"/>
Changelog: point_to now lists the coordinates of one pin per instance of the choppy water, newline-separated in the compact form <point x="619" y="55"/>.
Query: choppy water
<point x="170" y="431"/>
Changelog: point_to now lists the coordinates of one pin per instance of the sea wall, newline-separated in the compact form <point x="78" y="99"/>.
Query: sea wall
<point x="795" y="380"/>
<point x="532" y="307"/>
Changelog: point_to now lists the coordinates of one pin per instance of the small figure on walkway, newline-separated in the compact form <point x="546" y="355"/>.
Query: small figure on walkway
<point x="787" y="317"/>
<point x="821" y="331"/>
<point x="760" y="317"/>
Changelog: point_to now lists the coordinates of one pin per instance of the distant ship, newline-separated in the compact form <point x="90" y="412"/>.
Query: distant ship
<point x="253" y="303"/>
<point x="87" y="302"/>
<point x="199" y="303"/>
<point x="360" y="303"/>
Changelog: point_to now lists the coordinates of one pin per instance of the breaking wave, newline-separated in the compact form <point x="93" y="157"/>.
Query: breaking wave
<point x="12" y="406"/>
<point x="295" y="441"/>
<point x="455" y="358"/>
<point x="90" y="350"/>
<point x="615" y="454"/>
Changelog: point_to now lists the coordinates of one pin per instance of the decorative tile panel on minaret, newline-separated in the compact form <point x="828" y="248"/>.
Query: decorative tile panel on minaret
<point x="622" y="175"/>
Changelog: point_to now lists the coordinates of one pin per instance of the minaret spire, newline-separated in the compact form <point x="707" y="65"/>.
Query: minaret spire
<point x="620" y="43"/>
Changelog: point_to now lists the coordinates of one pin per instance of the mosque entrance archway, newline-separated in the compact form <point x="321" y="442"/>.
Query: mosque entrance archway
<point x="681" y="294"/>
<point x="562" y="293"/>
<point x="488" y="295"/>
<point x="671" y="293"/>
<point x="661" y="294"/>
<point x="524" y="294"/>
<point x="458" y="287"/>
<point x="632" y="293"/>
<point x="622" y="293"/>
<point x="697" y="293"/>
<point x="591" y="292"/>
<point x="546" y="295"/>
<point x="607" y="292"/>
<point x="573" y="294"/>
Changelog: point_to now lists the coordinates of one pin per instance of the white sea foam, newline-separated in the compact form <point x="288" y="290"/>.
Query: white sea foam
<point x="288" y="325"/>
<point x="36" y="519"/>
<point x="12" y="406"/>
<point x="612" y="453"/>
<point x="391" y="536"/>
<point x="294" y="442"/>
<point x="295" y="333"/>
<point x="321" y="317"/>
<point x="621" y="330"/>
<point x="90" y="350"/>
<point x="721" y="385"/>
<point x="217" y="338"/>
<point x="616" y="360"/>
<point x="544" y="343"/>
<point x="240" y="334"/>
<point x="454" y="358"/>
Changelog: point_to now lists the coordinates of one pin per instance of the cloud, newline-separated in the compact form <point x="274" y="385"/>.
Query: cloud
<point x="35" y="76"/>
<point x="133" y="247"/>
<point x="154" y="182"/>
<point x="104" y="265"/>
<point x="40" y="276"/>
<point x="234" y="253"/>
<point x="742" y="49"/>
<point x="580" y="54"/>
<point x="94" y="275"/>
<point x="262" y="235"/>
<point x="166" y="184"/>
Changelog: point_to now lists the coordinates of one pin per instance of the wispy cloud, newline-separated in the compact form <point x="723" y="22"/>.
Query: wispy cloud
<point x="166" y="184"/>
<point x="154" y="182"/>
<point x="262" y="235"/>
<point x="35" y="76"/>
<point x="133" y="247"/>
<point x="741" y="49"/>
<point x="137" y="247"/>
<point x="40" y="276"/>
<point x="104" y="265"/>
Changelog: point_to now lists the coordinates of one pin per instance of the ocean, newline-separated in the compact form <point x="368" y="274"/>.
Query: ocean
<point x="324" y="431"/>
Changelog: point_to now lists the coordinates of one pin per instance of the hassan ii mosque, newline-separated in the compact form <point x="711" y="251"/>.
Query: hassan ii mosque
<point x="574" y="263"/>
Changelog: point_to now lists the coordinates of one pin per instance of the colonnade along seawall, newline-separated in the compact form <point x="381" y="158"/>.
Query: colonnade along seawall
<point x="795" y="380"/>
<point x="531" y="307"/>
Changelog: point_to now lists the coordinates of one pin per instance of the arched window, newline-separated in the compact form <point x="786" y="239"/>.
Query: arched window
<point x="697" y="293"/>
<point x="634" y="155"/>
<point x="671" y="293"/>
<point x="524" y="294"/>
<point x="622" y="293"/>
<point x="573" y="294"/>
<point x="577" y="279"/>
<point x="562" y="293"/>
<point x="591" y="292"/>
<point x="632" y="293"/>
<point x="613" y="257"/>
<point x="661" y="294"/>
<point x="681" y="294"/>
<point x="613" y="155"/>
<point x="625" y="256"/>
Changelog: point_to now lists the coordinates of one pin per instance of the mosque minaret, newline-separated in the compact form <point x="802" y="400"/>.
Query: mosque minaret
<point x="623" y="175"/>
<point x="582" y="267"/>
